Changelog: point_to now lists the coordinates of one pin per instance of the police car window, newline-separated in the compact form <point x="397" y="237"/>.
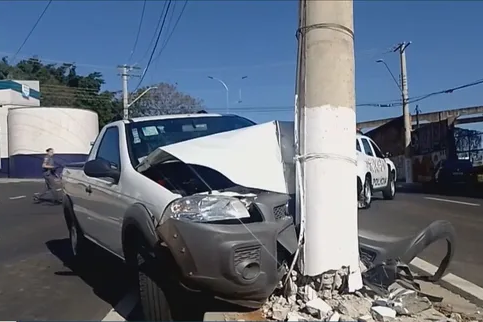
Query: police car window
<point x="377" y="150"/>
<point x="109" y="147"/>
<point x="358" y="146"/>
<point x="367" y="147"/>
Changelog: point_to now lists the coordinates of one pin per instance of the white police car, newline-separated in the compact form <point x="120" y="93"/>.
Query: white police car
<point x="375" y="172"/>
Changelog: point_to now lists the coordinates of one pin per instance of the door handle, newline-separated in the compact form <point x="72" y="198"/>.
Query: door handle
<point x="88" y="189"/>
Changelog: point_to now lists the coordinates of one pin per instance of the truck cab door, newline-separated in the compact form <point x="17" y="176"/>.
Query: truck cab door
<point x="105" y="204"/>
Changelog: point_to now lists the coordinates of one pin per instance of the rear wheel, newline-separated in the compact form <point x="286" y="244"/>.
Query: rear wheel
<point x="390" y="191"/>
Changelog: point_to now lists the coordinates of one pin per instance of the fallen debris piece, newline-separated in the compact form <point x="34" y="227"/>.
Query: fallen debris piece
<point x="320" y="307"/>
<point x="365" y="318"/>
<point x="280" y="312"/>
<point x="383" y="313"/>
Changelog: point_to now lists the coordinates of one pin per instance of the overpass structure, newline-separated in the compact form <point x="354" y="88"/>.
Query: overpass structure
<point x="434" y="117"/>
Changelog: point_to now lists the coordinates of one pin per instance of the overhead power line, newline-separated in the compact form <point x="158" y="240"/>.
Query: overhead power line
<point x="155" y="45"/>
<point x="138" y="32"/>
<point x="153" y="38"/>
<point x="172" y="30"/>
<point x="32" y="30"/>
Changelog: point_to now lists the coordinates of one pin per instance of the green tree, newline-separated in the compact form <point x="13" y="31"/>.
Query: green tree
<point x="61" y="85"/>
<point x="164" y="99"/>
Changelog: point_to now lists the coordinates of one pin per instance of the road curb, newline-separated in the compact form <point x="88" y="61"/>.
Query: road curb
<point x="451" y="282"/>
<point x="8" y="180"/>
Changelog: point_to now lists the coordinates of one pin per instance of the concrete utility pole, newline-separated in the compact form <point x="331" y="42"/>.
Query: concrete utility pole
<point x="329" y="131"/>
<point x="406" y="113"/>
<point x="125" y="69"/>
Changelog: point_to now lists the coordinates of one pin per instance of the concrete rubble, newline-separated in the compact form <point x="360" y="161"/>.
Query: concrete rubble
<point x="323" y="299"/>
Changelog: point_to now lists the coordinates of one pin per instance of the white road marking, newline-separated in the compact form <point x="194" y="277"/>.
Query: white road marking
<point x="16" y="197"/>
<point x="454" y="201"/>
<point x="451" y="282"/>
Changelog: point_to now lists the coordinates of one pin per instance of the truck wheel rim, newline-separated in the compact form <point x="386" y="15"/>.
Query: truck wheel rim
<point x="73" y="240"/>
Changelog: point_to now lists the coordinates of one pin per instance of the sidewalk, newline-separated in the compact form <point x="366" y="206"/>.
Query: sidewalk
<point x="12" y="180"/>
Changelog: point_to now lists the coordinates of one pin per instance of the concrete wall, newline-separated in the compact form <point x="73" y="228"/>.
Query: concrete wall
<point x="69" y="131"/>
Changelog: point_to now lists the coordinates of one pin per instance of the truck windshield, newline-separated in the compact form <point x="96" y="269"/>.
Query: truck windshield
<point x="146" y="136"/>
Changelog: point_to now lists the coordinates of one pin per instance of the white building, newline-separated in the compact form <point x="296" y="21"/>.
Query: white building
<point x="27" y="130"/>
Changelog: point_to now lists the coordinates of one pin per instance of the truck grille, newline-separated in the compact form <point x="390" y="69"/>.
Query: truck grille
<point x="250" y="253"/>
<point x="279" y="212"/>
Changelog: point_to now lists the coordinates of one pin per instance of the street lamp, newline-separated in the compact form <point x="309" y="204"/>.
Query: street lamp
<point x="240" y="91"/>
<point x="227" y="91"/>
<point x="389" y="70"/>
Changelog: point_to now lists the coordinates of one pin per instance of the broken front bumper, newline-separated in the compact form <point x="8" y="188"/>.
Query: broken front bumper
<point x="237" y="262"/>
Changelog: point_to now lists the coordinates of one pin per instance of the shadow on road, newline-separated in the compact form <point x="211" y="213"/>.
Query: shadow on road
<point x="107" y="276"/>
<point x="104" y="273"/>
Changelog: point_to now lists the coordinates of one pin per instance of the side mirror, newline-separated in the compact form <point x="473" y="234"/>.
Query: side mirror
<point x="100" y="168"/>
<point x="388" y="154"/>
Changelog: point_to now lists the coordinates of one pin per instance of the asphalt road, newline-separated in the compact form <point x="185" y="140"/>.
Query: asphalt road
<point x="36" y="278"/>
<point x="39" y="282"/>
<point x="409" y="213"/>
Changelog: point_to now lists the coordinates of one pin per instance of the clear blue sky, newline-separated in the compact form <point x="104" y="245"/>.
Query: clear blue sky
<point x="231" y="39"/>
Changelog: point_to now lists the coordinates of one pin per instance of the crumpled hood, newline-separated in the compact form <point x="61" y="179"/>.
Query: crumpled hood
<point x="259" y="156"/>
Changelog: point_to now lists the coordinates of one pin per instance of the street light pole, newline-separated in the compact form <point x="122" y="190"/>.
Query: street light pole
<point x="390" y="72"/>
<point x="403" y="88"/>
<point x="227" y="92"/>
<point x="240" y="91"/>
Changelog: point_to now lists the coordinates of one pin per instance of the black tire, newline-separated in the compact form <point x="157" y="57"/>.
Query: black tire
<point x="150" y="283"/>
<point x="365" y="195"/>
<point x="390" y="191"/>
<point x="78" y="243"/>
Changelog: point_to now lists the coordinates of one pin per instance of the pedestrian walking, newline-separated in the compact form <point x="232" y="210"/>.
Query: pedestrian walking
<point x="50" y="177"/>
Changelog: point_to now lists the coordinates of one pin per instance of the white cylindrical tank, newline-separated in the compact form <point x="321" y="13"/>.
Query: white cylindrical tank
<point x="32" y="130"/>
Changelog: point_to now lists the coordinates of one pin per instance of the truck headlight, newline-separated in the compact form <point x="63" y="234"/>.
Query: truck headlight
<point x="206" y="208"/>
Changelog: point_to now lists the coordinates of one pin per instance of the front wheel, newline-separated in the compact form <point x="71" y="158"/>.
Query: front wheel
<point x="78" y="243"/>
<point x="150" y="282"/>
<point x="390" y="191"/>
<point x="365" y="195"/>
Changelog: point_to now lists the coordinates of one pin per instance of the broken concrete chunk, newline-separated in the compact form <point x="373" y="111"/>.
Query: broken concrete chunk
<point x="365" y="318"/>
<point x="307" y="293"/>
<point x="410" y="305"/>
<point x="320" y="305"/>
<point x="280" y="312"/>
<point x="294" y="316"/>
<point x="383" y="313"/>
<point x="335" y="317"/>
<point x="381" y="302"/>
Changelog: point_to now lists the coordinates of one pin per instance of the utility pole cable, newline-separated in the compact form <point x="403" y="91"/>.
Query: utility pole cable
<point x="329" y="154"/>
<point x="125" y="70"/>
<point x="406" y="113"/>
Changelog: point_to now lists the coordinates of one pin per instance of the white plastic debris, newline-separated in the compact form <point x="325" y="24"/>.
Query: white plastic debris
<point x="383" y="313"/>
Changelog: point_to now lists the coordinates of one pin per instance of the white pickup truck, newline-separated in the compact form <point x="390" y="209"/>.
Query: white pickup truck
<point x="375" y="172"/>
<point x="160" y="193"/>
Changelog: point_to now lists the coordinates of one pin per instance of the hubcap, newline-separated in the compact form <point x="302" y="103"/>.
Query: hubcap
<point x="73" y="240"/>
<point x="393" y="187"/>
